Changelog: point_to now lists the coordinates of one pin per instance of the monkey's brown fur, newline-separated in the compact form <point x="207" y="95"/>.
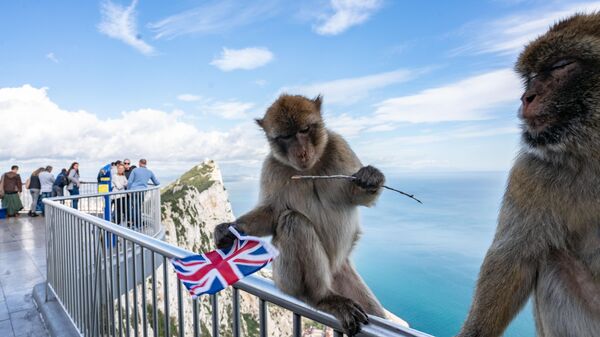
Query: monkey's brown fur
<point x="548" y="236"/>
<point x="315" y="224"/>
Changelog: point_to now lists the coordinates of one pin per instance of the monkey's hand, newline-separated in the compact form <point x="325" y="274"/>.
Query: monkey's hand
<point x="223" y="236"/>
<point x="369" y="178"/>
<point x="351" y="315"/>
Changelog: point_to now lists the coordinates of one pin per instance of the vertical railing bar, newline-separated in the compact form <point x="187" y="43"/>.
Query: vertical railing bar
<point x="119" y="293"/>
<point x="78" y="244"/>
<point x="126" y="273"/>
<point x="107" y="298"/>
<point x="262" y="307"/>
<point x="135" y="299"/>
<point x="112" y="284"/>
<point x="297" y="325"/>
<point x="166" y="289"/>
<point x="236" y="312"/>
<point x="180" y="309"/>
<point x="96" y="315"/>
<point x="195" y="318"/>
<point x="154" y="300"/>
<point x="215" y="314"/>
<point x="144" y="315"/>
<point x="88" y="278"/>
<point x="66" y="263"/>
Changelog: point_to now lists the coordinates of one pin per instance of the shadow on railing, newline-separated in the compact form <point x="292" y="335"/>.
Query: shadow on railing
<point x="110" y="281"/>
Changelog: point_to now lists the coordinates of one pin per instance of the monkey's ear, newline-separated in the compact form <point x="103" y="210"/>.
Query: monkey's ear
<point x="317" y="101"/>
<point x="260" y="122"/>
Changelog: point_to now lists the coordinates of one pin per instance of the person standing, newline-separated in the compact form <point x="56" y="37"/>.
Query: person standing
<point x="128" y="168"/>
<point x="138" y="180"/>
<point x="60" y="183"/>
<point x="47" y="181"/>
<point x="34" y="190"/>
<point x="73" y="186"/>
<point x="119" y="184"/>
<point x="11" y="187"/>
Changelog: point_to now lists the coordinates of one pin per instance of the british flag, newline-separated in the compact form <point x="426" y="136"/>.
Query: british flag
<point x="212" y="272"/>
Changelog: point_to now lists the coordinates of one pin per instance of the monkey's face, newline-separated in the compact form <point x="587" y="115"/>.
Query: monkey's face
<point x="561" y="75"/>
<point x="295" y="131"/>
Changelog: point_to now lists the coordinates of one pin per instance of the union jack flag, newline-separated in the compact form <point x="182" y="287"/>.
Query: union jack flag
<point x="212" y="272"/>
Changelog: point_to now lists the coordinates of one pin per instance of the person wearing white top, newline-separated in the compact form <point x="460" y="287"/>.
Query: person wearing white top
<point x="46" y="182"/>
<point x="119" y="184"/>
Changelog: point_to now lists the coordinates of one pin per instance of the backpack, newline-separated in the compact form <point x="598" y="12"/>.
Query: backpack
<point x="61" y="181"/>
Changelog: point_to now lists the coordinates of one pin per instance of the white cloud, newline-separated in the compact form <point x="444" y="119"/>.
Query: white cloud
<point x="350" y="90"/>
<point x="213" y="17"/>
<point x="120" y="23"/>
<point x="50" y="56"/>
<point x="40" y="129"/>
<point x="189" y="97"/>
<point x="468" y="99"/>
<point x="228" y="109"/>
<point x="245" y="58"/>
<point x="345" y="14"/>
<point x="508" y="35"/>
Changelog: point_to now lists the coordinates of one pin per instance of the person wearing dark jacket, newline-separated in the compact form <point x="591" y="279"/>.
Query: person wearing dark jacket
<point x="59" y="184"/>
<point x="11" y="187"/>
<point x="34" y="189"/>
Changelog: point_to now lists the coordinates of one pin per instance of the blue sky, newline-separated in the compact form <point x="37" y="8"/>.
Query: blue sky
<point x="413" y="85"/>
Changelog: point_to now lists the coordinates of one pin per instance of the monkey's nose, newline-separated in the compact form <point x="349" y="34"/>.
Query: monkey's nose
<point x="527" y="99"/>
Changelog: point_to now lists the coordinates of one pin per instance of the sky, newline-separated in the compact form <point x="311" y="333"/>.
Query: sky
<point x="413" y="85"/>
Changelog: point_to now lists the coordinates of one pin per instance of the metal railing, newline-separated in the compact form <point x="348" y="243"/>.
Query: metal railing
<point x="110" y="280"/>
<point x="85" y="187"/>
<point x="135" y="209"/>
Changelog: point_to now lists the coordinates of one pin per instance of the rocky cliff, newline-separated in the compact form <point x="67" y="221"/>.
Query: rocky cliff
<point x="191" y="208"/>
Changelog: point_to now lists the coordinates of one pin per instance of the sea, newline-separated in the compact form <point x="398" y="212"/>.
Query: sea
<point x="422" y="260"/>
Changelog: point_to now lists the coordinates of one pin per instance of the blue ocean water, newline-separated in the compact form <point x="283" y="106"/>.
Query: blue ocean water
<point x="422" y="260"/>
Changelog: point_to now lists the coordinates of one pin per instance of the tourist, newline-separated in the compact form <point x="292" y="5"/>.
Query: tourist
<point x="10" y="187"/>
<point x="59" y="183"/>
<point x="73" y="186"/>
<point x="47" y="181"/>
<point x="34" y="186"/>
<point x="128" y="168"/>
<point x="119" y="184"/>
<point x="138" y="180"/>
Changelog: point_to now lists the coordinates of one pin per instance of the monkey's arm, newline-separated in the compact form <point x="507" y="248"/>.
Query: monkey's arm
<point x="507" y="276"/>
<point x="258" y="222"/>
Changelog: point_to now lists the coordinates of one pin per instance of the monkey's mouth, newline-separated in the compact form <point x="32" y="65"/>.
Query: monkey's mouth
<point x="539" y="124"/>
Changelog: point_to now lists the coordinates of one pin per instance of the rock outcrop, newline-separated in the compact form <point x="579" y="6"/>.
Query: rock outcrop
<point x="191" y="207"/>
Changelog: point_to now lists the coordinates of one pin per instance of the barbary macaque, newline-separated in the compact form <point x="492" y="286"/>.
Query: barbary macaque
<point x="548" y="238"/>
<point x="314" y="223"/>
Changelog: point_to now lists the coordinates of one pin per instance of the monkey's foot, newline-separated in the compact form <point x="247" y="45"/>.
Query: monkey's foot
<point x="350" y="313"/>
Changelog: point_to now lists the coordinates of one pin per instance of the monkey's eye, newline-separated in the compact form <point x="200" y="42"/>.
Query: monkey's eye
<point x="284" y="137"/>
<point x="304" y="130"/>
<point x="561" y="64"/>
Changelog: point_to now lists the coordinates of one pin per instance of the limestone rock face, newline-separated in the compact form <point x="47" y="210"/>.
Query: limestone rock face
<point x="191" y="208"/>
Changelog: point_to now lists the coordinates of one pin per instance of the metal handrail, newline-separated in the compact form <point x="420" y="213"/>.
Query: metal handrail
<point x="96" y="228"/>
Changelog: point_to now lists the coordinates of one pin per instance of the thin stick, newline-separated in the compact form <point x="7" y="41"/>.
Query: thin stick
<point x="341" y="176"/>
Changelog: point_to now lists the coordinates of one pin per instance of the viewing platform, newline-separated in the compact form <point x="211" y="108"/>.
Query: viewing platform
<point x="90" y="273"/>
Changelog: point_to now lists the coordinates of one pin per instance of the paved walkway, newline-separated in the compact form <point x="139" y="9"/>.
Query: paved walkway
<point x="22" y="266"/>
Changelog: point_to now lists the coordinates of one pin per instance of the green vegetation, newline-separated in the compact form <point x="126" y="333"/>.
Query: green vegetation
<point x="197" y="178"/>
<point x="251" y="325"/>
<point x="173" y="331"/>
